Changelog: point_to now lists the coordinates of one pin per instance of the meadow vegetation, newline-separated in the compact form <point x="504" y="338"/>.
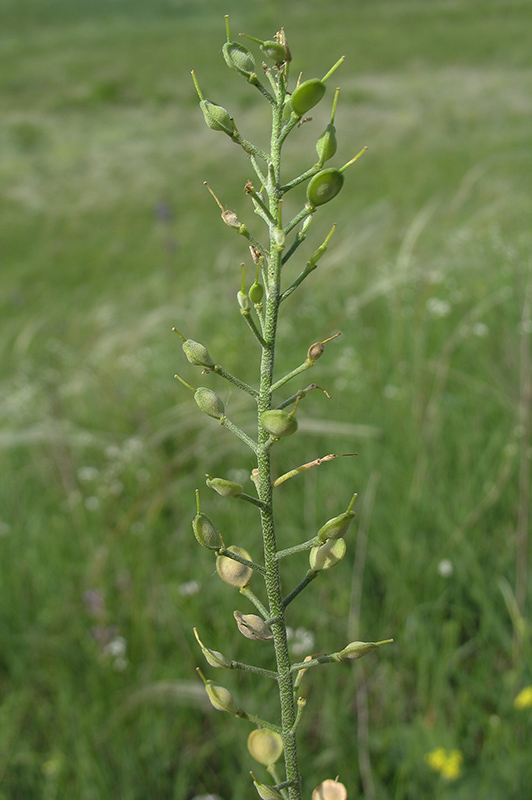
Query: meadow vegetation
<point x="108" y="239"/>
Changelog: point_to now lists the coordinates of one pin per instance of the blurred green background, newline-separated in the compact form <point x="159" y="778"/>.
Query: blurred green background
<point x="107" y="239"/>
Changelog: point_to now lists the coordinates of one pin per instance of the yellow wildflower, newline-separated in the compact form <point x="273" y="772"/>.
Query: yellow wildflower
<point x="524" y="698"/>
<point x="452" y="766"/>
<point x="436" y="759"/>
<point x="447" y="762"/>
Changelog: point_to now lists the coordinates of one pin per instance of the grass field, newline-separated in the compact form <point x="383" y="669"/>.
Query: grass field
<point x="107" y="239"/>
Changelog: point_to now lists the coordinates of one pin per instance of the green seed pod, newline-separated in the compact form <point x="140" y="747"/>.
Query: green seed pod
<point x="330" y="790"/>
<point x="307" y="95"/>
<point x="197" y="354"/>
<point x="213" y="657"/>
<point x="356" y="650"/>
<point x="209" y="402"/>
<point x="287" y="108"/>
<point x="224" y="487"/>
<point x="221" y="698"/>
<point x="266" y="792"/>
<point x="233" y="572"/>
<point x="326" y="144"/>
<point x="278" y="423"/>
<point x="273" y="50"/>
<point x="336" y="527"/>
<point x="217" y="117"/>
<point x="324" y="186"/>
<point x="243" y="301"/>
<point x="265" y="746"/>
<point x="239" y="58"/>
<point x="256" y="292"/>
<point x="327" y="555"/>
<point x="205" y="532"/>
<point x="252" y="626"/>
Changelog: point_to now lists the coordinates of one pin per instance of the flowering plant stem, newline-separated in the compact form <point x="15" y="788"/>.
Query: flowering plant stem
<point x="234" y="564"/>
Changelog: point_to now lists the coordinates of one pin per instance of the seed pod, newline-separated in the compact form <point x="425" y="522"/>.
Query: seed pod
<point x="307" y="95"/>
<point x="337" y="527"/>
<point x="278" y="423"/>
<point x="221" y="698"/>
<point x="266" y="792"/>
<point x="279" y="237"/>
<point x="237" y="56"/>
<point x="224" y="487"/>
<point x="256" y="292"/>
<point x="213" y="657"/>
<point x="252" y="626"/>
<point x="205" y="532"/>
<point x="324" y="186"/>
<point x="315" y="350"/>
<point x="327" y="555"/>
<point x="209" y="402"/>
<point x="287" y="108"/>
<point x="265" y="746"/>
<point x="330" y="790"/>
<point x="356" y="650"/>
<point x="195" y="352"/>
<point x="327" y="144"/>
<point x="233" y="572"/>
<point x="273" y="50"/>
<point x="216" y="116"/>
<point x="243" y="301"/>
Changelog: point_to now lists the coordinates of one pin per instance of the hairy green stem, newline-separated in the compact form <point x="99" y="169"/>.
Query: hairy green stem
<point x="272" y="577"/>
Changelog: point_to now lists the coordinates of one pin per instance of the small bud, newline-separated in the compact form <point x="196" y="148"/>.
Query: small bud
<point x="224" y="487"/>
<point x="233" y="572"/>
<point x="337" y="527"/>
<point x="278" y="423"/>
<point x="356" y="650"/>
<point x="209" y="402"/>
<point x="252" y="626"/>
<point x="213" y="657"/>
<point x="266" y="792"/>
<point x="330" y="790"/>
<point x="265" y="746"/>
<point x="327" y="555"/>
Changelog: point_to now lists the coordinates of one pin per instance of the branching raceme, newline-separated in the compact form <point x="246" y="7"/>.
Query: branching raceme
<point x="260" y="305"/>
